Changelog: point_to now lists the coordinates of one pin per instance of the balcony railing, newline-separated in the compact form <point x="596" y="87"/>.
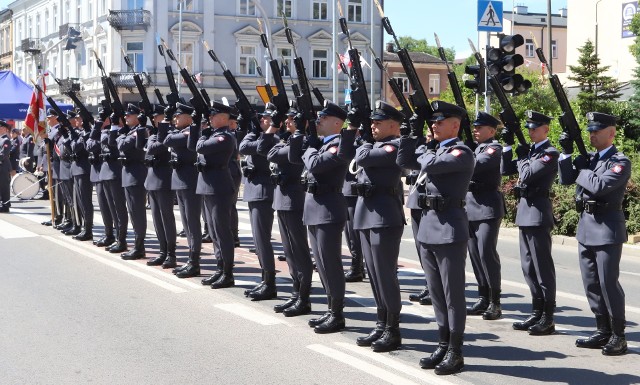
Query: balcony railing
<point x="129" y="19"/>
<point x="125" y="79"/>
<point x="63" y="30"/>
<point x="30" y="45"/>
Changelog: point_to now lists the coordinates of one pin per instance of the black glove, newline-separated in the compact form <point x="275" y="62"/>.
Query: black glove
<point x="523" y="150"/>
<point x="276" y="118"/>
<point x="64" y="131"/>
<point x="471" y="144"/>
<point x="405" y="128"/>
<point x="314" y="141"/>
<point x="432" y="144"/>
<point x="417" y="126"/>
<point x="507" y="137"/>
<point x="301" y="122"/>
<point x="115" y="119"/>
<point x="142" y="118"/>
<point x="104" y="114"/>
<point x="124" y="130"/>
<point x="47" y="141"/>
<point x="354" y="117"/>
<point x="206" y="131"/>
<point x="581" y="162"/>
<point x="243" y="123"/>
<point x="566" y="143"/>
<point x="169" y="111"/>
<point x="197" y="117"/>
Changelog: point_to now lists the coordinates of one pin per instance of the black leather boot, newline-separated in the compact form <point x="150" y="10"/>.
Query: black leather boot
<point x="415" y="297"/>
<point x="546" y="325"/>
<point x="279" y="308"/>
<point x="268" y="290"/>
<point x="335" y="321"/>
<point x="225" y="280"/>
<point x="159" y="260"/>
<point x="438" y="355"/>
<point x="494" y="311"/>
<point x="313" y="322"/>
<point x="453" y="361"/>
<point x="426" y="299"/>
<point x="376" y="332"/>
<point x="138" y="251"/>
<point x="600" y="338"/>
<point x="356" y="271"/>
<point x="390" y="339"/>
<point x="617" y="344"/>
<point x="537" y="304"/>
<point x="256" y="287"/>
<point x="171" y="260"/>
<point x="193" y="269"/>
<point x="85" y="235"/>
<point x="482" y="303"/>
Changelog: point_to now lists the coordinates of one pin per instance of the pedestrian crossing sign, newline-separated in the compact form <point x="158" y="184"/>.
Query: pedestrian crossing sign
<point x="489" y="16"/>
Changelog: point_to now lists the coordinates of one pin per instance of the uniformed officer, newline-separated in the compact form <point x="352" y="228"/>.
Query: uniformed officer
<point x="215" y="146"/>
<point x="351" y="236"/>
<point x="601" y="179"/>
<point x="41" y="166"/>
<point x="258" y="192"/>
<point x="14" y="153"/>
<point x="485" y="209"/>
<point x="63" y="148"/>
<point x="184" y="180"/>
<point x="27" y="151"/>
<point x="5" y="168"/>
<point x="379" y="220"/>
<point x="537" y="168"/>
<point x="81" y="170"/>
<point x="236" y="172"/>
<point x="158" y="185"/>
<point x="93" y="147"/>
<point x="325" y="209"/>
<point x="288" y="202"/>
<point x="444" y="228"/>
<point x="62" y="217"/>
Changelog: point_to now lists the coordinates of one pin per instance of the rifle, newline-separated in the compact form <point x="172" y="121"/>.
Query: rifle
<point x="267" y="86"/>
<point x="114" y="99"/>
<point x="507" y="115"/>
<point x="397" y="92"/>
<point x="62" y="117"/>
<point x="242" y="103"/>
<point x="305" y="103"/>
<point x="87" y="118"/>
<point x="280" y="100"/>
<point x="197" y="101"/>
<point x="145" y="104"/>
<point x="418" y="98"/>
<point x="465" y="125"/>
<point x="567" y="120"/>
<point x="294" y="86"/>
<point x="174" y="96"/>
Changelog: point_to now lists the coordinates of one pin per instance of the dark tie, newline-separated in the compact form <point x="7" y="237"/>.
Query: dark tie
<point x="532" y="150"/>
<point x="594" y="160"/>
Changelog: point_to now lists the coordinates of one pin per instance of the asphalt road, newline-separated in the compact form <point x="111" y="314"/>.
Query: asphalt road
<point x="74" y="314"/>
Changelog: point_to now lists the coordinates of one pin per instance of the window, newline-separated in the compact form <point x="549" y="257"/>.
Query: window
<point x="38" y="25"/>
<point x="67" y="10"/>
<point x="19" y="32"/>
<point x="30" y="27"/>
<point x="103" y="55"/>
<point x="319" y="10"/>
<point x="78" y="13"/>
<point x="187" y="5"/>
<point x="320" y="63"/>
<point x="287" y="55"/>
<point x="90" y="9"/>
<point x="554" y="49"/>
<point x="354" y="11"/>
<point x="528" y="48"/>
<point x="54" y="64"/>
<point x="403" y="82"/>
<point x="46" y="22"/>
<point x="55" y="17"/>
<point x="103" y="7"/>
<point x="134" y="53"/>
<point x="186" y="54"/>
<point x="283" y="6"/>
<point x="434" y="84"/>
<point x="247" y="7"/>
<point x="135" y="4"/>
<point x="247" y="62"/>
<point x="67" y="65"/>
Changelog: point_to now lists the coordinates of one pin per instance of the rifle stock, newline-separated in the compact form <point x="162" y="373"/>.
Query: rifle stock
<point x="84" y="113"/>
<point x="114" y="100"/>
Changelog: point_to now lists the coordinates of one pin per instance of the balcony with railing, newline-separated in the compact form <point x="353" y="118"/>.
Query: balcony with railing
<point x="30" y="45"/>
<point x="129" y="19"/>
<point x="125" y="79"/>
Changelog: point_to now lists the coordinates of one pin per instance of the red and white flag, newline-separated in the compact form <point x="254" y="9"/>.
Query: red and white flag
<point x="35" y="119"/>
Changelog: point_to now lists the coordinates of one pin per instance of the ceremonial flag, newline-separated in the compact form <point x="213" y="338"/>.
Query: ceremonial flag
<point x="35" y="119"/>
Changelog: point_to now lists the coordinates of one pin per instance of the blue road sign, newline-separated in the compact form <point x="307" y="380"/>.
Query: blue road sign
<point x="489" y="15"/>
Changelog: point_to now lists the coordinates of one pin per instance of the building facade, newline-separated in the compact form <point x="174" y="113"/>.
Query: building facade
<point x="6" y="40"/>
<point x="229" y="26"/>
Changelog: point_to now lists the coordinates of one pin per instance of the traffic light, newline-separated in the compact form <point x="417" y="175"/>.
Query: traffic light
<point x="477" y="84"/>
<point x="503" y="61"/>
<point x="73" y="36"/>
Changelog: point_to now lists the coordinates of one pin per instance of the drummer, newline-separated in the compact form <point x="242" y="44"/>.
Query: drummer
<point x="5" y="167"/>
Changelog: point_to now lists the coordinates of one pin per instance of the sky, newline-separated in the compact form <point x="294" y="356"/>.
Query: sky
<point x="453" y="20"/>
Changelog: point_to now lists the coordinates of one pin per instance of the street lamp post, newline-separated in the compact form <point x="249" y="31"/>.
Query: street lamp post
<point x="595" y="87"/>
<point x="265" y="20"/>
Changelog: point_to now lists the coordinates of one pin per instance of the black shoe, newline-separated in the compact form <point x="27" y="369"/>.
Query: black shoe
<point x="182" y="234"/>
<point x="481" y="305"/>
<point x="117" y="247"/>
<point x="212" y="278"/>
<point x="354" y="275"/>
<point x="494" y="312"/>
<point x="334" y="323"/>
<point x="313" y="322"/>
<point x="133" y="254"/>
<point x="46" y="223"/>
<point x="452" y="363"/>
<point x="601" y="336"/>
<point x="63" y="225"/>
<point x="179" y="268"/>
<point x="301" y="307"/>
<point x="192" y="270"/>
<point x="391" y="338"/>
<point x="415" y="297"/>
<point x="159" y="260"/>
<point x="207" y="239"/>
<point x="268" y="290"/>
<point x="236" y="243"/>
<point x="4" y="209"/>
<point x="374" y="335"/>
<point x="530" y="321"/>
<point x="226" y="280"/>
<point x="436" y="357"/>
<point x="105" y="241"/>
<point x="253" y="250"/>
<point x="426" y="300"/>
<point x="282" y="258"/>
<point x="616" y="346"/>
<point x="170" y="262"/>
<point x="279" y="308"/>
<point x="543" y="327"/>
<point x="75" y="230"/>
<point x="84" y="236"/>
<point x="255" y="288"/>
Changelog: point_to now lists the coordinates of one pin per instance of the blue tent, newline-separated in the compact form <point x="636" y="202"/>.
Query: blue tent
<point x="15" y="96"/>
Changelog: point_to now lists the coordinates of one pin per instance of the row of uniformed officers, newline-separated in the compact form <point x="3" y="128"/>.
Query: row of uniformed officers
<point x="454" y="197"/>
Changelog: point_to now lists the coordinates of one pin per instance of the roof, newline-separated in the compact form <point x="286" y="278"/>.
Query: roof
<point x="536" y="19"/>
<point x="416" y="57"/>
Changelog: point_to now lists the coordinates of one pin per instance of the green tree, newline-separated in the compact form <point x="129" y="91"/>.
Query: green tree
<point x="596" y="89"/>
<point x="630" y="116"/>
<point x="420" y="45"/>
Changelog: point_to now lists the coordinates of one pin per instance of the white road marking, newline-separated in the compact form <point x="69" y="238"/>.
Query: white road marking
<point x="251" y="314"/>
<point x="116" y="265"/>
<point x="359" y="364"/>
<point x="10" y="231"/>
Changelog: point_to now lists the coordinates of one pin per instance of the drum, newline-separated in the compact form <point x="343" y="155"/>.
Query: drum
<point x="25" y="185"/>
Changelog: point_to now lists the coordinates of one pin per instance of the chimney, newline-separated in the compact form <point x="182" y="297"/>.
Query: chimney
<point x="390" y="47"/>
<point x="563" y="12"/>
<point x="521" y="9"/>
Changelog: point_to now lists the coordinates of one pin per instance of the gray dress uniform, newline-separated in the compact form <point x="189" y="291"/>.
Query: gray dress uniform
<point x="63" y="146"/>
<point x="27" y="151"/>
<point x="158" y="184"/>
<point x="81" y="171"/>
<point x="5" y="176"/>
<point x="111" y="177"/>
<point x="485" y="209"/>
<point x="93" y="148"/>
<point x="601" y="232"/>
<point x="236" y="174"/>
<point x="288" y="201"/>
<point x="60" y="206"/>
<point x="351" y="236"/>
